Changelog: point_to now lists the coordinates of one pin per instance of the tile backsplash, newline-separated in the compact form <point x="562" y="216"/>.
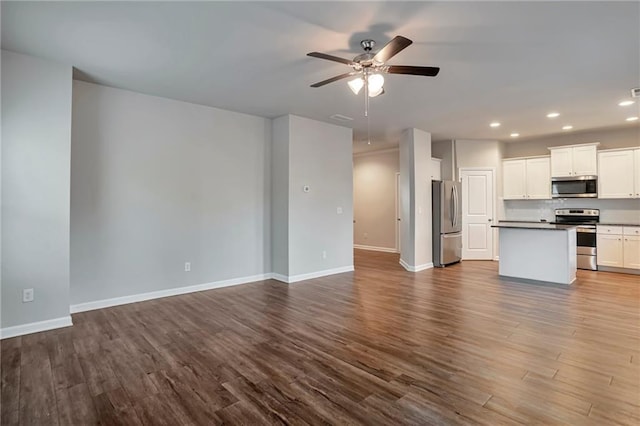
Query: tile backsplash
<point x="612" y="211"/>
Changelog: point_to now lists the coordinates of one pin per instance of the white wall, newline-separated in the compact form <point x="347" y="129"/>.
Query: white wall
<point x="620" y="137"/>
<point x="320" y="156"/>
<point x="156" y="183"/>
<point x="374" y="198"/>
<point x="36" y="136"/>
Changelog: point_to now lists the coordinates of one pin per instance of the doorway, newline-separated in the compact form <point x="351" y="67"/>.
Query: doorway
<point x="478" y="207"/>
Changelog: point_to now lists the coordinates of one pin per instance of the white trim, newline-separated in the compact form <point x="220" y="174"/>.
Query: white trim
<point x="374" y="248"/>
<point x="318" y="274"/>
<point x="379" y="151"/>
<point x="525" y="158"/>
<point x="35" y="327"/>
<point x="105" y="303"/>
<point x="631" y="148"/>
<point x="416" y="268"/>
<point x="496" y="258"/>
<point x="551" y="148"/>
<point x="280" y="277"/>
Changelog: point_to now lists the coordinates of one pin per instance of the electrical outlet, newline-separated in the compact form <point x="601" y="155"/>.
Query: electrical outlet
<point x="339" y="210"/>
<point x="324" y="254"/>
<point x="187" y="266"/>
<point x="27" y="295"/>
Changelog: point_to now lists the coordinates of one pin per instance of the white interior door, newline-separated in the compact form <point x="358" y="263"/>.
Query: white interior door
<point x="477" y="214"/>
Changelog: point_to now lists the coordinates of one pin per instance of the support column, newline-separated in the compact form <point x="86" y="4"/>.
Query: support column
<point x="415" y="200"/>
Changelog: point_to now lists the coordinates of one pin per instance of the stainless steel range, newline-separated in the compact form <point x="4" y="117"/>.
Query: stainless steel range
<point x="586" y="221"/>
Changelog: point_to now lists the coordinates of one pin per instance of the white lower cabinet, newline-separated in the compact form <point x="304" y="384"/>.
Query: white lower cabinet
<point x="610" y="250"/>
<point x="618" y="247"/>
<point x="631" y="249"/>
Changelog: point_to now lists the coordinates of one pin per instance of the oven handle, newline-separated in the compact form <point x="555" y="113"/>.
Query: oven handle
<point x="586" y="231"/>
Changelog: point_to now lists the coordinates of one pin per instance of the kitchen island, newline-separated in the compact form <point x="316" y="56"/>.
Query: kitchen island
<point x="537" y="251"/>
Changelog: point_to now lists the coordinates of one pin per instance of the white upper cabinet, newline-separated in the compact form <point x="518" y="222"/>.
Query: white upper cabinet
<point x="526" y="179"/>
<point x="576" y="160"/>
<point x="616" y="177"/>
<point x="561" y="162"/>
<point x="539" y="178"/>
<point x="585" y="160"/>
<point x="436" y="169"/>
<point x="514" y="178"/>
<point x="619" y="173"/>
<point x="636" y="172"/>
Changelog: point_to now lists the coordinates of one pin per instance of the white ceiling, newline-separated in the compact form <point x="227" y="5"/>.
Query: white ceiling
<point x="506" y="61"/>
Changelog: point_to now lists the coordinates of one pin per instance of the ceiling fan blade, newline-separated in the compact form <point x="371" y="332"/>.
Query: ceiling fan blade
<point x="391" y="49"/>
<point x="407" y="69"/>
<point x="332" y="79"/>
<point x="331" y="58"/>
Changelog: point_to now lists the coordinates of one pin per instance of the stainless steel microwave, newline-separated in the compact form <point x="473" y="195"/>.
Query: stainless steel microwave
<point x="574" y="187"/>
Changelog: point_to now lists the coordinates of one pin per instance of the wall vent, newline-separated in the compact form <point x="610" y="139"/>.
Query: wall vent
<point x="340" y="117"/>
<point x="635" y="92"/>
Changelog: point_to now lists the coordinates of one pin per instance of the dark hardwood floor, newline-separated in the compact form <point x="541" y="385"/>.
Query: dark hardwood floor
<point x="377" y="346"/>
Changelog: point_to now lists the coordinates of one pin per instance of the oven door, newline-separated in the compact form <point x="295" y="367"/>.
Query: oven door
<point x="586" y="241"/>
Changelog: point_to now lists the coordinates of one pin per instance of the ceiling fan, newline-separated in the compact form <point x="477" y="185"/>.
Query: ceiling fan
<point x="368" y="66"/>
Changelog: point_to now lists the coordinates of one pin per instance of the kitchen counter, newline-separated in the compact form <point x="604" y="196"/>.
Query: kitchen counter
<point x="617" y="224"/>
<point x="529" y="252"/>
<point x="533" y="225"/>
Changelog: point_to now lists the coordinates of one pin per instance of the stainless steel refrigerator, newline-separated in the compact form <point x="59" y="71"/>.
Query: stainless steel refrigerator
<point x="447" y="222"/>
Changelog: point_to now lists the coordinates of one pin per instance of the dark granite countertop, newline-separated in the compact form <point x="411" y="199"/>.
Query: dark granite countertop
<point x="617" y="224"/>
<point x="533" y="225"/>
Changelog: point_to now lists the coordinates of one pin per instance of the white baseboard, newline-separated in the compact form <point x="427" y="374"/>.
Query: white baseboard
<point x="416" y="268"/>
<point x="105" y="303"/>
<point x="374" y="248"/>
<point x="318" y="274"/>
<point x="496" y="258"/>
<point x="35" y="327"/>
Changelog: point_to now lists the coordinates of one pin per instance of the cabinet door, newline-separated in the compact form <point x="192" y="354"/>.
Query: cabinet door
<point x="636" y="172"/>
<point x="561" y="162"/>
<point x="631" y="249"/>
<point x="436" y="169"/>
<point x="585" y="160"/>
<point x="514" y="178"/>
<point x="539" y="178"/>
<point x="615" y="179"/>
<point x="610" y="250"/>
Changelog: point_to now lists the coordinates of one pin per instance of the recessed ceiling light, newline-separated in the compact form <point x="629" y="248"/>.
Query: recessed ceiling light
<point x="567" y="127"/>
<point x="626" y="103"/>
<point x="632" y="118"/>
<point x="495" y="124"/>
<point x="515" y="135"/>
<point x="553" y="115"/>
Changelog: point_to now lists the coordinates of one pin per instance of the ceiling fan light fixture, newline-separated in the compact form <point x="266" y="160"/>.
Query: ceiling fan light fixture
<point x="356" y="85"/>
<point x="376" y="81"/>
<point x="376" y="93"/>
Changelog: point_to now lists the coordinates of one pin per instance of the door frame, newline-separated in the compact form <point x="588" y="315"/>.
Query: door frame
<point x="398" y="213"/>
<point x="494" y="248"/>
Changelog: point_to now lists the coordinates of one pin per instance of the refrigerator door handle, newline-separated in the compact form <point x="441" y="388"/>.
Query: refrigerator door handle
<point x="452" y="208"/>
<point x="455" y="206"/>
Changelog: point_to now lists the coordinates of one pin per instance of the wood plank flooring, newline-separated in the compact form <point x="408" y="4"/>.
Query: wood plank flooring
<point x="377" y="346"/>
